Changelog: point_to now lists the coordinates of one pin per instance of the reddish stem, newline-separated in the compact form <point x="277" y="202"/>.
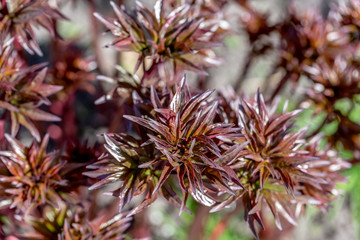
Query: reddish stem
<point x="95" y="42"/>
<point x="280" y="86"/>
<point x="197" y="228"/>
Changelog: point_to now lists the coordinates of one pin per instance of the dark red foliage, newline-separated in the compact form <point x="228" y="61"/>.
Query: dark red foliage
<point x="179" y="37"/>
<point x="19" y="17"/>
<point x="164" y="137"/>
<point x="34" y="177"/>
<point x="277" y="164"/>
<point x="71" y="69"/>
<point x="22" y="91"/>
<point x="187" y="143"/>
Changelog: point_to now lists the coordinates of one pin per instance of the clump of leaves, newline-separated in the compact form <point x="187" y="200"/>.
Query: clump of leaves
<point x="71" y="69"/>
<point x="73" y="222"/>
<point x="304" y="38"/>
<point x="99" y="229"/>
<point x="273" y="146"/>
<point x="177" y="37"/>
<point x="254" y="23"/>
<point x="187" y="143"/>
<point x="22" y="92"/>
<point x="19" y="17"/>
<point x="34" y="176"/>
<point x="191" y="143"/>
<point x="335" y="82"/>
<point x="332" y="81"/>
<point x="276" y="166"/>
<point x="127" y="164"/>
<point x="345" y="15"/>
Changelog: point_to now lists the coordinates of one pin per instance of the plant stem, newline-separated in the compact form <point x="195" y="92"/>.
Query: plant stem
<point x="141" y="228"/>
<point x="197" y="228"/>
<point x="95" y="42"/>
<point x="279" y="86"/>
